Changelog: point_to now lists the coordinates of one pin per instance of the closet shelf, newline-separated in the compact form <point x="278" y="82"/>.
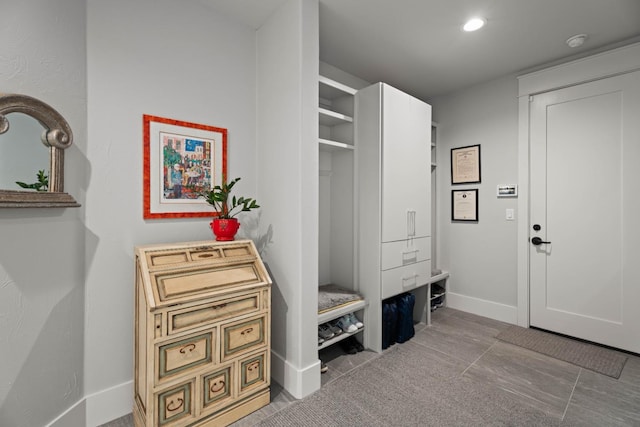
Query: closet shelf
<point x="439" y="277"/>
<point x="330" y="89"/>
<point x="329" y="145"/>
<point x="340" y="311"/>
<point x="332" y="118"/>
<point x="339" y="338"/>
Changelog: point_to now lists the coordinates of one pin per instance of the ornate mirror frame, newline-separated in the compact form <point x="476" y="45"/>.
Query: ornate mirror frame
<point x="57" y="137"/>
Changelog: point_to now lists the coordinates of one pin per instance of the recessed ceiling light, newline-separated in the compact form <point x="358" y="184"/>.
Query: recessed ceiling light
<point x="577" y="40"/>
<point x="474" y="24"/>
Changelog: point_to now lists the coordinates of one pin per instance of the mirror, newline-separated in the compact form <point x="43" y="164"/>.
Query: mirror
<point x="33" y="137"/>
<point x="22" y="154"/>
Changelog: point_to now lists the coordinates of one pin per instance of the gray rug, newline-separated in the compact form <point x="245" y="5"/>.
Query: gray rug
<point x="408" y="386"/>
<point x="589" y="356"/>
<point x="332" y="296"/>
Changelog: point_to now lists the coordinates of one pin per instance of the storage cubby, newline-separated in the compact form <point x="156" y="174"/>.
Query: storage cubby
<point x="336" y="250"/>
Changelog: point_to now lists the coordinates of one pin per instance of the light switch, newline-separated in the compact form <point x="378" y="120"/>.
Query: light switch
<point x="510" y="215"/>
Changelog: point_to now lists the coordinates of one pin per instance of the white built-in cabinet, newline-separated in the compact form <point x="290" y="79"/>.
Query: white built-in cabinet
<point x="336" y="237"/>
<point x="393" y="169"/>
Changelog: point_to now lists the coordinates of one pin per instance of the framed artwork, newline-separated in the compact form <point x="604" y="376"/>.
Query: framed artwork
<point x="180" y="158"/>
<point x="465" y="165"/>
<point x="464" y="205"/>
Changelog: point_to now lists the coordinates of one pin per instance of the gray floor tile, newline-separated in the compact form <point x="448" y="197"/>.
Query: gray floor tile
<point x="455" y="337"/>
<point x="631" y="371"/>
<point x="604" y="401"/>
<point x="536" y="379"/>
<point x="490" y="325"/>
<point x="340" y="363"/>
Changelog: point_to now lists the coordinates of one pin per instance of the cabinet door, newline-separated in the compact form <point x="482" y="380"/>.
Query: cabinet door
<point x="406" y="166"/>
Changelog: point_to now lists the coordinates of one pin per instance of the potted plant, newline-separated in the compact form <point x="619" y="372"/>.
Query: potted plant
<point x="225" y="225"/>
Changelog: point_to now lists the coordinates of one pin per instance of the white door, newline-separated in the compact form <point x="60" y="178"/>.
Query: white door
<point x="585" y="211"/>
<point x="406" y="166"/>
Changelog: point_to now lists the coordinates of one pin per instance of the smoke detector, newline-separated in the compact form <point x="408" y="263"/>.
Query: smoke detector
<point x="576" y="40"/>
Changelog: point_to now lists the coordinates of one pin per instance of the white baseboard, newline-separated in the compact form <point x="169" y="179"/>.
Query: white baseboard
<point x="485" y="308"/>
<point x="72" y="417"/>
<point x="98" y="408"/>
<point x="297" y="382"/>
<point x="109" y="404"/>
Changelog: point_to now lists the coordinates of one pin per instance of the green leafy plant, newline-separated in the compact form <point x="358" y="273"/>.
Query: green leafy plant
<point x="41" y="185"/>
<point x="219" y="198"/>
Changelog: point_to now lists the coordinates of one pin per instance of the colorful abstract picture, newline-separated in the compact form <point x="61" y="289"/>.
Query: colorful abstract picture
<point x="181" y="158"/>
<point x="186" y="166"/>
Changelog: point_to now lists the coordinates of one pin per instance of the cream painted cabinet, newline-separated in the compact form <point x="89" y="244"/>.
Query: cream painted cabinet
<point x="202" y="333"/>
<point x="393" y="164"/>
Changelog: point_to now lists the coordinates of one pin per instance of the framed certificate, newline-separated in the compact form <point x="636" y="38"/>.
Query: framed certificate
<point x="465" y="165"/>
<point x="464" y="205"/>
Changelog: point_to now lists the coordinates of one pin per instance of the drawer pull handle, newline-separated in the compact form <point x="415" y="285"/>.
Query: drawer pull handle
<point x="188" y="347"/>
<point x="413" y="279"/>
<point x="205" y="255"/>
<point x="172" y="407"/>
<point x="252" y="366"/>
<point x="415" y="251"/>
<point x="246" y="331"/>
<point x="214" y="387"/>
<point x="409" y="257"/>
<point x="219" y="306"/>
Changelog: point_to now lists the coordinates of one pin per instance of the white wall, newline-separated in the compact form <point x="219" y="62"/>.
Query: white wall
<point x="171" y="59"/>
<point x="42" y="55"/>
<point x="481" y="257"/>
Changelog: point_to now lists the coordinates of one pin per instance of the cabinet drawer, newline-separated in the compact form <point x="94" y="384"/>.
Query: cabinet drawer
<point x="175" y="404"/>
<point x="205" y="314"/>
<point x="253" y="373"/>
<point x="188" y="353"/>
<point x="244" y="336"/>
<point x="217" y="388"/>
<point x="402" y="279"/>
<point x="405" y="252"/>
<point x="165" y="257"/>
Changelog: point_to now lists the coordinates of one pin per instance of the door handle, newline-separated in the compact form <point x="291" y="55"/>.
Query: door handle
<point x="538" y="241"/>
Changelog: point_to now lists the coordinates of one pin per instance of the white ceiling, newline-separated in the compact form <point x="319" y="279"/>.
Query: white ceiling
<point x="417" y="45"/>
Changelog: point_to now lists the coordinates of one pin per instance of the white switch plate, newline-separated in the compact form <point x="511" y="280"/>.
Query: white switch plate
<point x="510" y="215"/>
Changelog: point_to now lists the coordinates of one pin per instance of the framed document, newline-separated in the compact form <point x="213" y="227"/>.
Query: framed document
<point x="465" y="165"/>
<point x="464" y="205"/>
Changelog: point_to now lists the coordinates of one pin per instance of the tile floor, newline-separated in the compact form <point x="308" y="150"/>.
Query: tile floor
<point x="575" y="396"/>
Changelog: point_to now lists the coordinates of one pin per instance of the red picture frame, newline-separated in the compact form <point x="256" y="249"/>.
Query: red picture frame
<point x="179" y="156"/>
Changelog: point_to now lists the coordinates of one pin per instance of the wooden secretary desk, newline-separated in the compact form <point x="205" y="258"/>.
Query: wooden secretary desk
<point x="202" y="333"/>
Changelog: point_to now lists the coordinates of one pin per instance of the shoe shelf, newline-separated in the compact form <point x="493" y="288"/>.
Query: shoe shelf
<point x="340" y="311"/>
<point x="437" y="299"/>
<point x="439" y="277"/>
<point x="334" y="340"/>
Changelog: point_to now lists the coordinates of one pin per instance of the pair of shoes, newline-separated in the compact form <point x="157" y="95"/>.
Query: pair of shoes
<point x="351" y="345"/>
<point x="345" y="325"/>
<point x="437" y="291"/>
<point x="324" y="332"/>
<point x="351" y="317"/>
<point x="333" y="328"/>
<point x="323" y="367"/>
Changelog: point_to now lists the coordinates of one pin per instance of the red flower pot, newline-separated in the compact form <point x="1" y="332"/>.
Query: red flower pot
<point x="225" y="229"/>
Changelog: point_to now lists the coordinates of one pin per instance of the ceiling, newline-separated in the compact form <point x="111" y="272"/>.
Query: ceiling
<point x="418" y="46"/>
